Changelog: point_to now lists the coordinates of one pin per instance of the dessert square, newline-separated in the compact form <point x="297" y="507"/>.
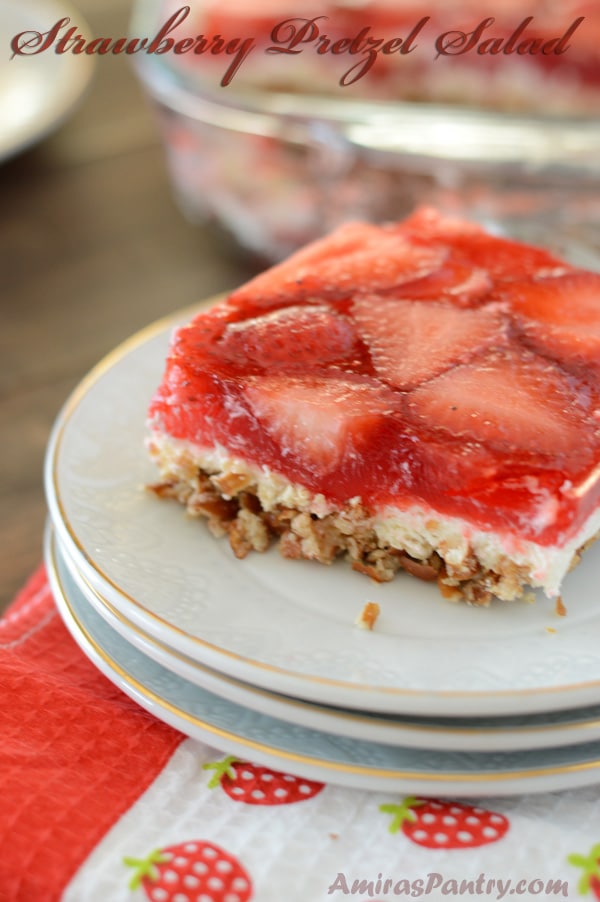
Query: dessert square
<point x="420" y="396"/>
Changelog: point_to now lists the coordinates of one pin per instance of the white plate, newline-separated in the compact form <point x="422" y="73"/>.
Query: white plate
<point x="37" y="91"/>
<point x="456" y="734"/>
<point x="288" y="625"/>
<point x="312" y="754"/>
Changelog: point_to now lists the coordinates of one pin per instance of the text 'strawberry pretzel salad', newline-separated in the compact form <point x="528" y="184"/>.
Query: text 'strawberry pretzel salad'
<point x="420" y="396"/>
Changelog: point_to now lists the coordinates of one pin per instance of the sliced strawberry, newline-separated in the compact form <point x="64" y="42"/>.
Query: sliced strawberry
<point x="357" y="257"/>
<point x="508" y="399"/>
<point x="437" y="824"/>
<point x="458" y="279"/>
<point x="464" y="285"/>
<point x="561" y="314"/>
<point x="318" y="420"/>
<point x="503" y="258"/>
<point x="252" y="784"/>
<point x="430" y="223"/>
<point x="390" y="259"/>
<point x="412" y="341"/>
<point x="288" y="338"/>
<point x="344" y="241"/>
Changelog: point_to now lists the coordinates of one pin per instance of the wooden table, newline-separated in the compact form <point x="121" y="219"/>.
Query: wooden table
<point x="92" y="248"/>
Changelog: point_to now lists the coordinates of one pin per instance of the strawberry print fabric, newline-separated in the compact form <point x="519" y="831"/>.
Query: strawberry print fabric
<point x="101" y="802"/>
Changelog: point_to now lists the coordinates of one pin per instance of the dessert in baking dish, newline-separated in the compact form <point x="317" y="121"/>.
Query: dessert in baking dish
<point x="420" y="396"/>
<point x="542" y="58"/>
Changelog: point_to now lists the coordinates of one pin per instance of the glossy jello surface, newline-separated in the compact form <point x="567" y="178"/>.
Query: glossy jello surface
<point x="425" y="362"/>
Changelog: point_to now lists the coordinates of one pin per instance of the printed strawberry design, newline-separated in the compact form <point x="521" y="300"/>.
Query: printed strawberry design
<point x="191" y="871"/>
<point x="590" y="879"/>
<point x="254" y="785"/>
<point x="445" y="825"/>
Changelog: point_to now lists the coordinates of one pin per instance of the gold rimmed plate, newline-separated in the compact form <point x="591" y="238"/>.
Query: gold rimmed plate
<point x="288" y="626"/>
<point x="456" y="734"/>
<point x="309" y="753"/>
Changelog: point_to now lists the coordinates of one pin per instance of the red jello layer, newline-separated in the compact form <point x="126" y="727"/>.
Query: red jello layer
<point x="421" y="363"/>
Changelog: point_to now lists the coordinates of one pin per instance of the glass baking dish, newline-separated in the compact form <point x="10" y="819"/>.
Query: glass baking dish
<point x="277" y="167"/>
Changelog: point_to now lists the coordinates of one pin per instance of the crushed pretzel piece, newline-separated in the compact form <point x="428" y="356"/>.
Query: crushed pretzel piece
<point x="229" y="484"/>
<point x="424" y="571"/>
<point x="233" y="505"/>
<point x="367" y="617"/>
<point x="561" y="610"/>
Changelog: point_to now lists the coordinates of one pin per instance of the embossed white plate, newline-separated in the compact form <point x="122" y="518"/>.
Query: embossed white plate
<point x="289" y="625"/>
<point x="492" y="734"/>
<point x="308" y="753"/>
<point x="37" y="91"/>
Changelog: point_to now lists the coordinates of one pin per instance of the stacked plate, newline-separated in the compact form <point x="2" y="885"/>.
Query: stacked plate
<point x="261" y="657"/>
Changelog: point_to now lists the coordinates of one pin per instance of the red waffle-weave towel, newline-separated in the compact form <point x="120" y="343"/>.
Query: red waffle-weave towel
<point x="75" y="752"/>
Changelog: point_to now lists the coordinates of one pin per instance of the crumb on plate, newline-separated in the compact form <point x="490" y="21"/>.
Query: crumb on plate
<point x="367" y="617"/>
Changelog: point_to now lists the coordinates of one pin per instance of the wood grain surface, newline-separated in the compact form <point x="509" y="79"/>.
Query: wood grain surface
<point x="92" y="248"/>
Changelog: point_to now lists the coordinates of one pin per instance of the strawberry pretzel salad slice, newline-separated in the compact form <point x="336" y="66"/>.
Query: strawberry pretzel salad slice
<point x="419" y="397"/>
